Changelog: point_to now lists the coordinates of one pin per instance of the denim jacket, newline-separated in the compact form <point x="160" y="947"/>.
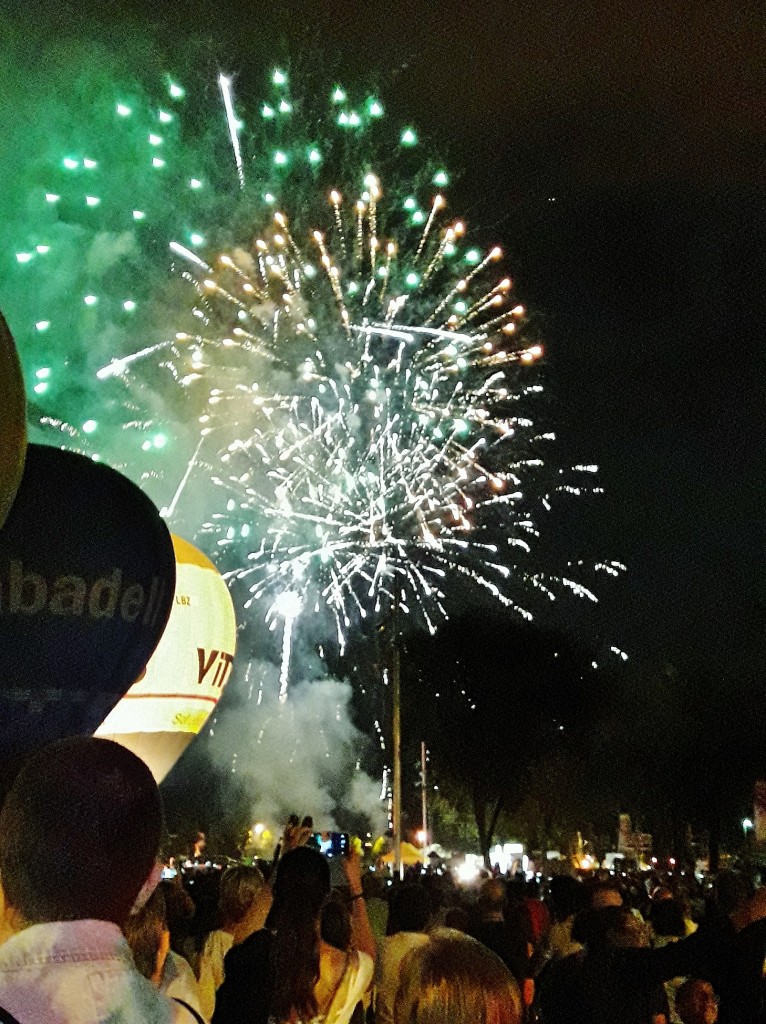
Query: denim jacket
<point x="79" y="972"/>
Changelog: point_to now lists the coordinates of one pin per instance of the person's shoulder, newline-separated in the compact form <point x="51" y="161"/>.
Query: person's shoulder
<point x="251" y="950"/>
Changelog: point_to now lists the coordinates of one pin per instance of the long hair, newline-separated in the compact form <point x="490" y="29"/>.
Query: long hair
<point x="301" y="887"/>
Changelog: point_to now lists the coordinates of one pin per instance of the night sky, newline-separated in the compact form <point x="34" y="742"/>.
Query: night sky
<point x="616" y="151"/>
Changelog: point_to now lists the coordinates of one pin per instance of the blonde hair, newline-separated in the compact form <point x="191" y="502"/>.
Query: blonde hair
<point x="453" y="979"/>
<point x="239" y="887"/>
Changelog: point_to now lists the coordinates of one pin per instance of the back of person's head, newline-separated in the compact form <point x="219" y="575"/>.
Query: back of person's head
<point x="593" y="928"/>
<point x="372" y="886"/>
<point x="335" y="927"/>
<point x="731" y="890"/>
<point x="79" y="832"/>
<point x="605" y="894"/>
<point x="409" y="911"/>
<point x="492" y="896"/>
<point x="457" y="918"/>
<point x="567" y="897"/>
<point x="667" y="917"/>
<point x="696" y="1002"/>
<point x="239" y="887"/>
<point x="301" y="887"/>
<point x="453" y="979"/>
<point x="147" y="934"/>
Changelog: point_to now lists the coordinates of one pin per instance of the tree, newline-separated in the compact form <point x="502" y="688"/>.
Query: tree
<point x="493" y="699"/>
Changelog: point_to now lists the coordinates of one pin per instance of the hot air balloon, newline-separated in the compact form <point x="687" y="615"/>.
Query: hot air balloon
<point x="171" y="701"/>
<point x="13" y="426"/>
<point x="87" y="576"/>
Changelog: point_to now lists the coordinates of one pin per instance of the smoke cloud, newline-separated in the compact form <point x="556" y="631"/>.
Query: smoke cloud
<point x="300" y="757"/>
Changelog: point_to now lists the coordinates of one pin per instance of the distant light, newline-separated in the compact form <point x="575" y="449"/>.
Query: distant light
<point x="747" y="824"/>
<point x="409" y="138"/>
<point x="354" y="119"/>
<point x="473" y="256"/>
<point x="285" y="107"/>
<point x="353" y="288"/>
<point x="412" y="280"/>
<point x="195" y="183"/>
<point x="155" y="140"/>
<point x="460" y="306"/>
<point x="42" y="249"/>
<point x="124" y="110"/>
<point x="41" y="388"/>
<point x="196" y="239"/>
<point x="269" y="198"/>
<point x="375" y="109"/>
<point x="280" y="158"/>
<point x="92" y="200"/>
<point x="449" y="249"/>
<point x="165" y="117"/>
<point x="177" y="91"/>
<point x="441" y="178"/>
<point x="89" y="426"/>
<point x="42" y="325"/>
<point x="267" y="111"/>
<point x="160" y="440"/>
<point x="51" y="197"/>
<point x="309" y="271"/>
<point x="43" y="373"/>
<point x="279" y="77"/>
<point x="410" y="203"/>
<point x="129" y="305"/>
<point x="158" y="162"/>
<point x="339" y="95"/>
<point x="70" y="163"/>
<point x="139" y="215"/>
<point x="24" y="257"/>
<point x="90" y="164"/>
<point x="315" y="157"/>
<point x="343" y="119"/>
<point x="146" y="446"/>
<point x="418" y="217"/>
<point x="90" y="300"/>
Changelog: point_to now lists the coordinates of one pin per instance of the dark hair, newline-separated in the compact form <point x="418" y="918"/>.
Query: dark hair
<point x="567" y="896"/>
<point x="301" y="886"/>
<point x="667" y="918"/>
<point x="410" y="910"/>
<point x="79" y="832"/>
<point x="336" y="922"/>
<point x="143" y="931"/>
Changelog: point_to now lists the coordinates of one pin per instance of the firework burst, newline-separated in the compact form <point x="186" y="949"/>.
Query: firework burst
<point x="359" y="379"/>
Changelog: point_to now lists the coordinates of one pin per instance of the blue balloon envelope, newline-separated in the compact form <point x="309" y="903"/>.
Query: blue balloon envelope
<point x="87" y="575"/>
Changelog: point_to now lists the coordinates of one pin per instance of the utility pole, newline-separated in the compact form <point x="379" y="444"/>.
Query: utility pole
<point x="396" y="734"/>
<point x="424" y="797"/>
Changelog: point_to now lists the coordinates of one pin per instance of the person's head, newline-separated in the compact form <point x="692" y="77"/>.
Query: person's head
<point x="79" y="833"/>
<point x="410" y="910"/>
<point x="605" y="894"/>
<point x="567" y="897"/>
<point x="452" y="979"/>
<point x="239" y="887"/>
<point x="335" y="927"/>
<point x="608" y="927"/>
<point x="696" y="1002"/>
<point x="457" y="918"/>
<point x="667" y="917"/>
<point x="301" y="887"/>
<point x="148" y="937"/>
<point x="491" y="897"/>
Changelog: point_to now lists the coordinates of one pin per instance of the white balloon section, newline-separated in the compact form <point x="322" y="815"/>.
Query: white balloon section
<point x="169" y="704"/>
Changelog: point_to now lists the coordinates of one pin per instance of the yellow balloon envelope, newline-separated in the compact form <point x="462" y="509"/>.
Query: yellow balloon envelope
<point x="13" y="425"/>
<point x="165" y="708"/>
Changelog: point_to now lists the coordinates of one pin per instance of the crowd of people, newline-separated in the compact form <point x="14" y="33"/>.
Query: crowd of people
<point x="89" y="934"/>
